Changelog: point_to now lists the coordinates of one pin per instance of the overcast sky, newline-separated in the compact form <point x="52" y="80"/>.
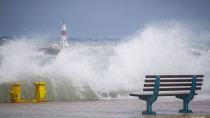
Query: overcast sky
<point x="95" y="18"/>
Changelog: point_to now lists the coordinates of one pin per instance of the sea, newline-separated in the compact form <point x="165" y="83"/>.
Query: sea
<point x="102" y="71"/>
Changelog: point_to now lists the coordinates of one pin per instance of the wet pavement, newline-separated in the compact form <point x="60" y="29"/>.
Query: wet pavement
<point x="102" y="109"/>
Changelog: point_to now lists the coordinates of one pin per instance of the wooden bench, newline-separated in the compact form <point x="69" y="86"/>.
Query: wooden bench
<point x="181" y="86"/>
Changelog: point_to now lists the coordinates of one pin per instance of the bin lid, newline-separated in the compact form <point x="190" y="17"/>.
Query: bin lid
<point x="40" y="83"/>
<point x="16" y="84"/>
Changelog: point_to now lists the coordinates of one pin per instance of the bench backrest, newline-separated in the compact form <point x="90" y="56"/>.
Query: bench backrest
<point x="173" y="83"/>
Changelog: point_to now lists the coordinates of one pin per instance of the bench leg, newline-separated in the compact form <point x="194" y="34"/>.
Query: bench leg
<point x="149" y="109"/>
<point x="185" y="107"/>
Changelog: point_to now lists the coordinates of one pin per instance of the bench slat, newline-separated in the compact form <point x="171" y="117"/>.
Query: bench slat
<point x="173" y="84"/>
<point x="173" y="76"/>
<point x="170" y="89"/>
<point x="174" y="80"/>
<point x="168" y="94"/>
<point x="161" y="94"/>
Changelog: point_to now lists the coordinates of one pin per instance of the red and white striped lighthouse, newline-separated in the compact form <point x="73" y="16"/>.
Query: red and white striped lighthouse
<point x="64" y="42"/>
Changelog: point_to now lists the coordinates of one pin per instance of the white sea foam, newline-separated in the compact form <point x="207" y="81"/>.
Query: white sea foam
<point x="91" y="70"/>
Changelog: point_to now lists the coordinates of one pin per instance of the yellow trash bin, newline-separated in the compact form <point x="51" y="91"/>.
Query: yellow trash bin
<point x="15" y="92"/>
<point x="40" y="91"/>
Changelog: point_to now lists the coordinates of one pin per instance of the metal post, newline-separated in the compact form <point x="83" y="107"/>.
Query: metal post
<point x="149" y="107"/>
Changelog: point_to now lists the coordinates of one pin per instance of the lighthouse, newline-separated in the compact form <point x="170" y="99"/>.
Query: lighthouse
<point x="55" y="48"/>
<point x="64" y="42"/>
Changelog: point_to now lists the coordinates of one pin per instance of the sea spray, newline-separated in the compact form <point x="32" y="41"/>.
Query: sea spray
<point x="103" y="69"/>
